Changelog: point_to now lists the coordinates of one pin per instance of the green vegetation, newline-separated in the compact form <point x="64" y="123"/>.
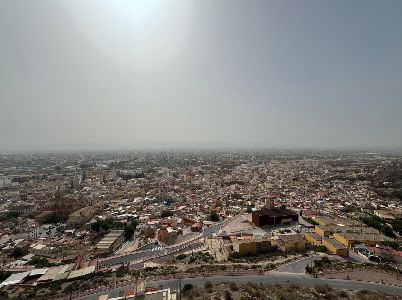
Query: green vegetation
<point x="9" y="216"/>
<point x="55" y="218"/>
<point x="324" y="261"/>
<point x="181" y="256"/>
<point x="379" y="224"/>
<point x="310" y="220"/>
<point x="166" y="213"/>
<point x="387" y="258"/>
<point x="208" y="285"/>
<point x="71" y="288"/>
<point x="17" y="253"/>
<point x="3" y="295"/>
<point x="397" y="225"/>
<point x="122" y="271"/>
<point x="135" y="223"/>
<point x="106" y="225"/>
<point x="186" y="288"/>
<point x="129" y="231"/>
<point x="130" y="228"/>
<point x="392" y="244"/>
<point x="4" y="275"/>
<point x="40" y="262"/>
<point x="200" y="258"/>
<point x="214" y="217"/>
<point x="270" y="253"/>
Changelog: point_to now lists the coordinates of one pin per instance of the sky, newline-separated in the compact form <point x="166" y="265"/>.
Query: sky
<point x="131" y="73"/>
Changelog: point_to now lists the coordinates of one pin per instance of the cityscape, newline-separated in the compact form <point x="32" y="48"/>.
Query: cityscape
<point x="201" y="150"/>
<point x="104" y="225"/>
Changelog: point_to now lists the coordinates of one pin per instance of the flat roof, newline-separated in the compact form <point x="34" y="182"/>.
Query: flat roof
<point x="315" y="235"/>
<point x="334" y="243"/>
<point x="15" y="278"/>
<point x="274" y="212"/>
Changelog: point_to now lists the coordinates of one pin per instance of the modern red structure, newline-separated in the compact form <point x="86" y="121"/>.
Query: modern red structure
<point x="273" y="216"/>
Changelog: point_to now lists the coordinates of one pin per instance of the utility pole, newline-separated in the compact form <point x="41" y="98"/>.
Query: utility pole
<point x="179" y="289"/>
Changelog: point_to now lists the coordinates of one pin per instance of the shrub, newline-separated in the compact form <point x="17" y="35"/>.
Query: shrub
<point x="208" y="286"/>
<point x="39" y="262"/>
<point x="181" y="256"/>
<point x="186" y="288"/>
<point x="233" y="286"/>
<point x="121" y="272"/>
<point x="227" y="295"/>
<point x="323" y="289"/>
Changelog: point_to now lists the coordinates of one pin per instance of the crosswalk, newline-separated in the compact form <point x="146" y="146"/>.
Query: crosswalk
<point x="156" y="248"/>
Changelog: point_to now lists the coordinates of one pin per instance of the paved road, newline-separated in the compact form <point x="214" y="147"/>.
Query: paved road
<point x="133" y="257"/>
<point x="298" y="267"/>
<point x="273" y="277"/>
<point x="357" y="258"/>
<point x="156" y="250"/>
<point x="138" y="256"/>
<point x="212" y="229"/>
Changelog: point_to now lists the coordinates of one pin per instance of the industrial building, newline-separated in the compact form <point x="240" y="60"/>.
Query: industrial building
<point x="110" y="242"/>
<point x="273" y="216"/>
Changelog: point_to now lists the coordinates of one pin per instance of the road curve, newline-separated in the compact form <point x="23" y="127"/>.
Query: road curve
<point x="273" y="277"/>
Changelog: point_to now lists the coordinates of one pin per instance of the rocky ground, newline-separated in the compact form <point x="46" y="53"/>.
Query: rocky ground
<point x="229" y="291"/>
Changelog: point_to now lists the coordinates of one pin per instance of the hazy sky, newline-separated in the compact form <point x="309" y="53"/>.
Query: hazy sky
<point x="267" y="73"/>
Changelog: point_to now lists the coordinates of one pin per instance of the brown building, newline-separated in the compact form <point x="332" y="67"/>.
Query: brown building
<point x="273" y="216"/>
<point x="82" y="216"/>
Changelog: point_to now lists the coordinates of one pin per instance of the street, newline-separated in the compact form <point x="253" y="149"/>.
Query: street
<point x="298" y="267"/>
<point x="272" y="278"/>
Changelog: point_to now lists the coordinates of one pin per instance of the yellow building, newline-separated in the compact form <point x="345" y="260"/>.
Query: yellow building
<point x="313" y="238"/>
<point x="251" y="246"/>
<point x="348" y="239"/>
<point x="324" y="221"/>
<point x="325" y="230"/>
<point x="335" y="247"/>
<point x="288" y="242"/>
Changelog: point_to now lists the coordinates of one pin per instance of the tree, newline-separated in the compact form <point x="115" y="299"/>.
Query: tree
<point x="166" y="213"/>
<point x="54" y="218"/>
<point x="227" y="295"/>
<point x="309" y="269"/>
<point x="12" y="215"/>
<point x="214" y="217"/>
<point x="388" y="231"/>
<point x="72" y="287"/>
<point x="208" y="286"/>
<point x="106" y="225"/>
<point x="17" y="253"/>
<point x="4" y="275"/>
<point x="129" y="231"/>
<point x="186" y="288"/>
<point x="379" y="224"/>
<point x="135" y="223"/>
<point x="391" y="244"/>
<point x="39" y="262"/>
